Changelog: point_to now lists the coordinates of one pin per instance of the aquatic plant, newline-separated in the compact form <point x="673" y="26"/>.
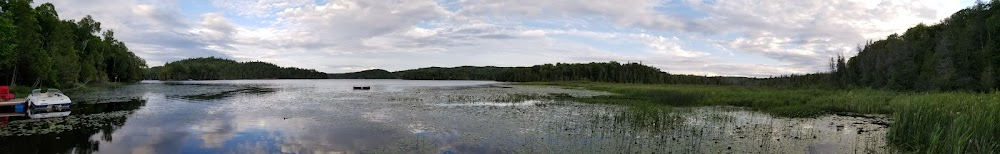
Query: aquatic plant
<point x="64" y="124"/>
<point x="952" y="122"/>
<point x="947" y="123"/>
<point x="224" y="94"/>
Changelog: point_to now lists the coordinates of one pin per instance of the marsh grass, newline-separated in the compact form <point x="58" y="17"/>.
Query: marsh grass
<point x="947" y="123"/>
<point x="952" y="122"/>
<point x="651" y="119"/>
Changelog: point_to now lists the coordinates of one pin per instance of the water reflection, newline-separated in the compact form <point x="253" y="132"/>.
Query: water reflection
<point x="85" y="108"/>
<point x="72" y="134"/>
<point x="325" y="116"/>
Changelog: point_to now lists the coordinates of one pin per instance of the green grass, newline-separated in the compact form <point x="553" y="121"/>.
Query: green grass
<point x="947" y="123"/>
<point x="779" y="102"/>
<point x="952" y="122"/>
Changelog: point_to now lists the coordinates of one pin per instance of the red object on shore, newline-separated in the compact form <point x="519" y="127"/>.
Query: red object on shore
<point x="5" y="93"/>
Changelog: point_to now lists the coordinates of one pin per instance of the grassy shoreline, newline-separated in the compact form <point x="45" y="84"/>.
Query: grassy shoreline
<point x="934" y="122"/>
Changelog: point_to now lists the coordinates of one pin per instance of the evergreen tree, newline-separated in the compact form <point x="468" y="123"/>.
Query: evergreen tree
<point x="48" y="51"/>
<point x="960" y="53"/>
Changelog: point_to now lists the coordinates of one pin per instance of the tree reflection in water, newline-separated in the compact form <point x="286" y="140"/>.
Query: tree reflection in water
<point x="71" y="134"/>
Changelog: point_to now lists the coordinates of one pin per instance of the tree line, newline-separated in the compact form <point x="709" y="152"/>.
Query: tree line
<point x="601" y="72"/>
<point x="366" y="74"/>
<point x="595" y="71"/>
<point x="37" y="48"/>
<point x="960" y="53"/>
<point x="212" y="68"/>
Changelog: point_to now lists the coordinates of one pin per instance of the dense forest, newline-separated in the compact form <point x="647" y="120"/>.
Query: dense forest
<point x="40" y="49"/>
<point x="599" y="72"/>
<point x="604" y="72"/>
<point x="366" y="74"/>
<point x="212" y="68"/>
<point x="960" y="53"/>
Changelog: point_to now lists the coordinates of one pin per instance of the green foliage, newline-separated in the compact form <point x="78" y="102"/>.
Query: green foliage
<point x="949" y="122"/>
<point x="366" y="74"/>
<point x="600" y="72"/>
<point x="960" y="53"/>
<point x="49" y="52"/>
<point x="778" y="101"/>
<point x="28" y="40"/>
<point x="212" y="68"/>
<point x="946" y="123"/>
<point x="7" y="33"/>
<point x="58" y="42"/>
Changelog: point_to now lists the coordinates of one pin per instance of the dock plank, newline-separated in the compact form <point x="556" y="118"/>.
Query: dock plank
<point x="11" y="114"/>
<point x="12" y="102"/>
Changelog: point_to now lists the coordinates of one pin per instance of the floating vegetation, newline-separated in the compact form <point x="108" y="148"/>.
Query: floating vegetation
<point x="948" y="122"/>
<point x="64" y="124"/>
<point x="496" y="104"/>
<point x="84" y="117"/>
<point x="230" y="93"/>
<point x="732" y="130"/>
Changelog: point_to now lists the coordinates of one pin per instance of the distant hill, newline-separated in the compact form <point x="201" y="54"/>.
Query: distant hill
<point x="607" y="72"/>
<point x="212" y="68"/>
<point x="367" y="74"/>
<point x="595" y="71"/>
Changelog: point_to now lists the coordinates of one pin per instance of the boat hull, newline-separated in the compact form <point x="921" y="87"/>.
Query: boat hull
<point x="49" y="104"/>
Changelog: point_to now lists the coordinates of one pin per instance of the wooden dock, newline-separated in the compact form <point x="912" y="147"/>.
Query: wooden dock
<point x="4" y="115"/>
<point x="13" y="102"/>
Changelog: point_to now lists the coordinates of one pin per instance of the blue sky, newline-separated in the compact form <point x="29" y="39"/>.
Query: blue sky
<point x="756" y="38"/>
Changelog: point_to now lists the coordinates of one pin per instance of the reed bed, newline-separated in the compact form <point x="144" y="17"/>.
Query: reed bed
<point x="922" y="122"/>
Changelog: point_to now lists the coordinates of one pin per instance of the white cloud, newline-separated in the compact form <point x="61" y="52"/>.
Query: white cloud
<point x="216" y="31"/>
<point x="258" y="8"/>
<point x="344" y="24"/>
<point x="668" y="46"/>
<point x="640" y="13"/>
<point x="678" y="36"/>
<point x="807" y="33"/>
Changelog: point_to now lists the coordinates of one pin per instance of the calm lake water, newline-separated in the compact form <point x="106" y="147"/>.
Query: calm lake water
<point x="402" y="116"/>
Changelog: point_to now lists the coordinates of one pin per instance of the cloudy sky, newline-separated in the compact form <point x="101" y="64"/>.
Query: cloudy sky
<point x="756" y="38"/>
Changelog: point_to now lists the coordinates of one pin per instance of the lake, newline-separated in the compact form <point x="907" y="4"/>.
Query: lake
<point x="405" y="116"/>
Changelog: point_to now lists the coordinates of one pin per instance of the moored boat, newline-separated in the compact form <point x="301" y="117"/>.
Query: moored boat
<point x="362" y="88"/>
<point x="51" y="103"/>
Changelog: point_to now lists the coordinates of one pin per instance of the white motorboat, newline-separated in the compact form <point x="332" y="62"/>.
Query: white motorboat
<point x="51" y="103"/>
